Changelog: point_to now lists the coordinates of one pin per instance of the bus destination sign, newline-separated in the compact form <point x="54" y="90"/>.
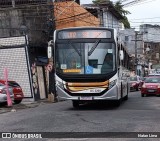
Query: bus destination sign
<point x="73" y="34"/>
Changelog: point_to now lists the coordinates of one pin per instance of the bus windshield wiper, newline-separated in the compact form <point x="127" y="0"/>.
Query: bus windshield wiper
<point x="79" y="53"/>
<point x="93" y="47"/>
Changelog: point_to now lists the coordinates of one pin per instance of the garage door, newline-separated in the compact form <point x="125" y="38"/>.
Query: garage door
<point x="13" y="56"/>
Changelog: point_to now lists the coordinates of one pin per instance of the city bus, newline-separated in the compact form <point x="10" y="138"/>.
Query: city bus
<point x="81" y="73"/>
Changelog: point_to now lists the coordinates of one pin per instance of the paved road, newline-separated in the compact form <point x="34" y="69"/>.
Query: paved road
<point x="135" y="115"/>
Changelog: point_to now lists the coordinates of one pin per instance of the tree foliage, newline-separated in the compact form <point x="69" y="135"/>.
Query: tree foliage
<point x="119" y="7"/>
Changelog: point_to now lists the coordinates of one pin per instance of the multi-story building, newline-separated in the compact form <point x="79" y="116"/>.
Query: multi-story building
<point x="134" y="45"/>
<point x="151" y="40"/>
<point x="145" y="43"/>
<point x="108" y="15"/>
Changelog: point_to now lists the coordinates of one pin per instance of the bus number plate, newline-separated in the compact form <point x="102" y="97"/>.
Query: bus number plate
<point x="86" y="98"/>
<point x="95" y="90"/>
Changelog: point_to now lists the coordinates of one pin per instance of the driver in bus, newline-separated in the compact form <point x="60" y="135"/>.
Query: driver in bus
<point x="108" y="63"/>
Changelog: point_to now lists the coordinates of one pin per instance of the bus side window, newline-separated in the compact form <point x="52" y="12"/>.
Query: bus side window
<point x="118" y="57"/>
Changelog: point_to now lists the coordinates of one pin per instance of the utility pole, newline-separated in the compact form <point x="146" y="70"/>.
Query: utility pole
<point x="136" y="58"/>
<point x="136" y="61"/>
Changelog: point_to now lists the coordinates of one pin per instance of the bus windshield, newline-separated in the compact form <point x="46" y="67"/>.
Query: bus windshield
<point x="85" y="58"/>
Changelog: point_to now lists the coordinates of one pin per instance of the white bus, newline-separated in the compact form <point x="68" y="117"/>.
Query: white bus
<point x="81" y="70"/>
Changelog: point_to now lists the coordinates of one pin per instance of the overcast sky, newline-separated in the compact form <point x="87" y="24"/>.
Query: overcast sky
<point x="146" y="12"/>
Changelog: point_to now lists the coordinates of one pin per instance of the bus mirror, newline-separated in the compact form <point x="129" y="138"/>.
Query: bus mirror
<point x="121" y="54"/>
<point x="49" y="51"/>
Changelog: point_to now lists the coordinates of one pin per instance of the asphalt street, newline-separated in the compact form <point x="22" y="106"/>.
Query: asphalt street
<point x="137" y="114"/>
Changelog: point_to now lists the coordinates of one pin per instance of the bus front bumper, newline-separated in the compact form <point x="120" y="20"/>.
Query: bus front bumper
<point x="109" y="95"/>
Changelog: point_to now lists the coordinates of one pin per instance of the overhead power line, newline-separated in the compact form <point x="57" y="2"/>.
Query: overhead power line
<point x="128" y="3"/>
<point x="145" y="22"/>
<point x="132" y="2"/>
<point x="144" y="2"/>
<point x="146" y="18"/>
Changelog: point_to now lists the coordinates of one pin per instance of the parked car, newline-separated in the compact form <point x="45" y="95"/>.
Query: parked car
<point x="17" y="91"/>
<point x="3" y="93"/>
<point x="135" y="82"/>
<point x="151" y="86"/>
<point x="141" y="82"/>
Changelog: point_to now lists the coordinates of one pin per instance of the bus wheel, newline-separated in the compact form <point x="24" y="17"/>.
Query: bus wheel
<point x="75" y="103"/>
<point x="118" y="103"/>
<point x="142" y="95"/>
<point x="126" y="97"/>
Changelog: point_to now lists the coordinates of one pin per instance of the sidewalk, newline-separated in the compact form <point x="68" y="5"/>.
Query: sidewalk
<point x="23" y="105"/>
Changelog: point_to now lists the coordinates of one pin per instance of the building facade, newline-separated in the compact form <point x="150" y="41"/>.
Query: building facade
<point x="133" y="41"/>
<point x="151" y="40"/>
<point x="108" y="15"/>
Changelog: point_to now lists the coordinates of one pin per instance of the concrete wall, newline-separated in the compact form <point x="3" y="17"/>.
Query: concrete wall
<point x="111" y="21"/>
<point x="151" y="32"/>
<point x="34" y="17"/>
<point x="128" y="39"/>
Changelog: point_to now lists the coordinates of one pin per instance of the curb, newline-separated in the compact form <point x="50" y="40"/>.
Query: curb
<point x="16" y="107"/>
<point x="23" y="105"/>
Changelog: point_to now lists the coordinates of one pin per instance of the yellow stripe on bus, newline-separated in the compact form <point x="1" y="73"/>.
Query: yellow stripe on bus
<point x="71" y="70"/>
<point x="89" y="84"/>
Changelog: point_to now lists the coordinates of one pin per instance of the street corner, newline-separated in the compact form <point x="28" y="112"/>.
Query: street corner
<point x="49" y="100"/>
<point x="24" y="105"/>
<point x="16" y="107"/>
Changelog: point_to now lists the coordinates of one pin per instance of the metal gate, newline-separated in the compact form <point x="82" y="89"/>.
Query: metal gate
<point x="14" y="57"/>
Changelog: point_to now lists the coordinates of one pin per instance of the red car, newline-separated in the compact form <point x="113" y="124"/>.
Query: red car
<point x="17" y="91"/>
<point x="141" y="83"/>
<point x="135" y="82"/>
<point x="151" y="86"/>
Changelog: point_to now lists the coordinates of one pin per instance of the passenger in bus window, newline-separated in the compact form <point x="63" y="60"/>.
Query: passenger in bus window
<point x="73" y="64"/>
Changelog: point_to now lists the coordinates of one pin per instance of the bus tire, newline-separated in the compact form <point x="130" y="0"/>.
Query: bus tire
<point x="126" y="97"/>
<point x="142" y="95"/>
<point x="75" y="103"/>
<point x="17" y="101"/>
<point x="118" y="103"/>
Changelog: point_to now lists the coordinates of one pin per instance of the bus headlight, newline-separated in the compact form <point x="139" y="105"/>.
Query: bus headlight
<point x="112" y="83"/>
<point x="60" y="84"/>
